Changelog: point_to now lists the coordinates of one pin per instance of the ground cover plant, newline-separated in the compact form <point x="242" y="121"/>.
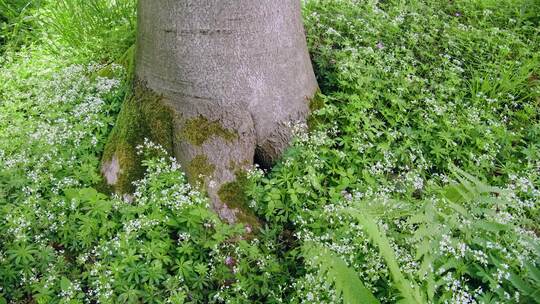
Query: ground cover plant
<point x="416" y="181"/>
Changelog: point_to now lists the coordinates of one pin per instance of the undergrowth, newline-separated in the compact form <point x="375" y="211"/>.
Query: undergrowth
<point x="418" y="183"/>
<point x="17" y="19"/>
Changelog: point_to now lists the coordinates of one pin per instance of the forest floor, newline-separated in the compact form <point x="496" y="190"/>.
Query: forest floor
<point x="417" y="182"/>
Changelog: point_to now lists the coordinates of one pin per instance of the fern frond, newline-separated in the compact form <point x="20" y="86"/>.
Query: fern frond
<point x="407" y="288"/>
<point x="344" y="279"/>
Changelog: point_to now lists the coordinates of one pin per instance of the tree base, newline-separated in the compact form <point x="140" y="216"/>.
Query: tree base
<point x="143" y="115"/>
<point x="148" y="115"/>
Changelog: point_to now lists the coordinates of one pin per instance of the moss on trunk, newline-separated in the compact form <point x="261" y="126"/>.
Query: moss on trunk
<point x="198" y="169"/>
<point x="233" y="194"/>
<point x="199" y="129"/>
<point x="315" y="103"/>
<point x="143" y="115"/>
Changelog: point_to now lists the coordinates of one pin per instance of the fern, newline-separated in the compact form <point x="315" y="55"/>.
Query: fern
<point x="345" y="279"/>
<point x="408" y="288"/>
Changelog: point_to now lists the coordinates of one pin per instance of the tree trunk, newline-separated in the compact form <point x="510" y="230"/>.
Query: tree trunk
<point x="233" y="75"/>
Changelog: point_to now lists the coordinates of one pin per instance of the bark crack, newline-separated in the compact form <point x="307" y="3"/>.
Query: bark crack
<point x="209" y="32"/>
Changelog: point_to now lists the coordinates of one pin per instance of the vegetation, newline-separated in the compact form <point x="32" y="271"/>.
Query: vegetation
<point x="143" y="114"/>
<point x="418" y="181"/>
<point x="17" y="19"/>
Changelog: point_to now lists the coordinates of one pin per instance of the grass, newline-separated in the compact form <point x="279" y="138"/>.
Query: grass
<point x="92" y="29"/>
<point x="17" y="18"/>
<point x="418" y="181"/>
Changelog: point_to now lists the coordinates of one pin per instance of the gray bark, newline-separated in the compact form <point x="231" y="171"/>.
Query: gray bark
<point x="239" y="64"/>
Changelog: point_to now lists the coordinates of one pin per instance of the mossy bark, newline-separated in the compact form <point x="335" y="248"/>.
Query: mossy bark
<point x="199" y="169"/>
<point x="316" y="103"/>
<point x="233" y="194"/>
<point x="199" y="129"/>
<point x="206" y="143"/>
<point x="143" y="115"/>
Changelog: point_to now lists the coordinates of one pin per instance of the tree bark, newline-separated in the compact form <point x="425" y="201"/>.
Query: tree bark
<point x="236" y="74"/>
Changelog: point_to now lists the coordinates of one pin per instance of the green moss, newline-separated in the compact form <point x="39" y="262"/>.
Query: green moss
<point x="198" y="168"/>
<point x="233" y="194"/>
<point x="316" y="103"/>
<point x="143" y="115"/>
<point x="200" y="129"/>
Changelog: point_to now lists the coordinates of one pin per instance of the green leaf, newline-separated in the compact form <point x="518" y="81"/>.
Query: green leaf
<point x="491" y="226"/>
<point x="408" y="288"/>
<point x="534" y="272"/>
<point x="520" y="284"/>
<point x="65" y="283"/>
<point x="345" y="279"/>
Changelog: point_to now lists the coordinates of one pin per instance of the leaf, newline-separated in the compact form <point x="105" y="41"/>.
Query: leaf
<point x="459" y="209"/>
<point x="534" y="272"/>
<point x="491" y="226"/>
<point x="423" y="249"/>
<point x="368" y="178"/>
<point x="65" y="283"/>
<point x="84" y="194"/>
<point x="312" y="175"/>
<point x="453" y="193"/>
<point x="345" y="279"/>
<point x="520" y="284"/>
<point x="408" y="289"/>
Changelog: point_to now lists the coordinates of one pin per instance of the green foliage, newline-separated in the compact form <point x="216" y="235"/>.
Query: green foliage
<point x="407" y="288"/>
<point x="417" y="182"/>
<point x="345" y="279"/>
<point x="410" y="91"/>
<point x="17" y="21"/>
<point x="64" y="242"/>
<point x="100" y="30"/>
